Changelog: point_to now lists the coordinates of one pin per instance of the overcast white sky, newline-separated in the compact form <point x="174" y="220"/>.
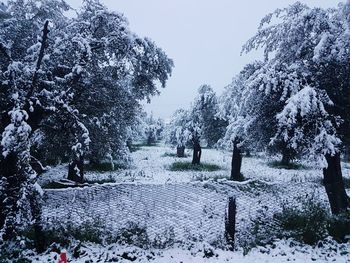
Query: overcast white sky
<point x="203" y="37"/>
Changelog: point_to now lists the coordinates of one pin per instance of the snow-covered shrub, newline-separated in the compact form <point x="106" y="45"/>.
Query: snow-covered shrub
<point x="307" y="223"/>
<point x="165" y="239"/>
<point x="133" y="234"/>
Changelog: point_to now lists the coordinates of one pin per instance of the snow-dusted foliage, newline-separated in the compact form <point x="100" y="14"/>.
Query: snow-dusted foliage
<point x="296" y="101"/>
<point x="205" y="108"/>
<point x="303" y="117"/>
<point x="201" y="122"/>
<point x="236" y="108"/>
<point x="177" y="133"/>
<point x="287" y="103"/>
<point x="69" y="89"/>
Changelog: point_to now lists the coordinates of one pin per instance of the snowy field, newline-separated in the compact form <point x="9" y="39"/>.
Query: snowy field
<point x="187" y="208"/>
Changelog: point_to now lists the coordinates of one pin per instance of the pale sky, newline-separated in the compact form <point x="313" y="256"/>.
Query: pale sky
<point x="203" y="37"/>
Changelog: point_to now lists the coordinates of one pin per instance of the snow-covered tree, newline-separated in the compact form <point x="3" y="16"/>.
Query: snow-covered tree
<point x="207" y="108"/>
<point x="76" y="83"/>
<point x="177" y="133"/>
<point x="30" y="92"/>
<point x="153" y="130"/>
<point x="123" y="70"/>
<point x="293" y="74"/>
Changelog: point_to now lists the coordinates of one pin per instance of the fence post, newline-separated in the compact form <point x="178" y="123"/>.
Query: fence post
<point x="230" y="224"/>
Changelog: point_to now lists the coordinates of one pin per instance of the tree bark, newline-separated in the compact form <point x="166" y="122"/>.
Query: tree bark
<point x="151" y="140"/>
<point x="76" y="170"/>
<point x="334" y="185"/>
<point x="236" y="163"/>
<point x="285" y="158"/>
<point x="197" y="152"/>
<point x="180" y="151"/>
<point x="129" y="144"/>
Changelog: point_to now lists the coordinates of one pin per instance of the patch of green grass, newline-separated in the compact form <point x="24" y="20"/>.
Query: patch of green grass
<point x="138" y="146"/>
<point x="188" y="166"/>
<point x="172" y="155"/>
<point x="290" y="166"/>
<point x="169" y="155"/>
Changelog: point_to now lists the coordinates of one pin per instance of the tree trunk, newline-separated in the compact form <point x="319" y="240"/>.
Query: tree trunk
<point x="285" y="158"/>
<point x="76" y="170"/>
<point x="197" y="152"/>
<point x="236" y="163"/>
<point x="333" y="182"/>
<point x="151" y="140"/>
<point x="180" y="151"/>
<point x="129" y="144"/>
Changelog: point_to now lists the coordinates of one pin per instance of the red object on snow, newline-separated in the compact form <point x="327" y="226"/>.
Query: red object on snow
<point x="63" y="258"/>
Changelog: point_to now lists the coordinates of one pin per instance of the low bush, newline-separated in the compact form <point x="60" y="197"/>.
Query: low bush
<point x="307" y="224"/>
<point x="104" y="167"/>
<point x="188" y="166"/>
<point x="306" y="220"/>
<point x="63" y="234"/>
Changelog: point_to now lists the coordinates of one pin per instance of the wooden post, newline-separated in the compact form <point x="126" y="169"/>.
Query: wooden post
<point x="230" y="224"/>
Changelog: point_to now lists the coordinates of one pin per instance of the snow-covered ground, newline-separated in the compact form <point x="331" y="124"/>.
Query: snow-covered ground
<point x="282" y="252"/>
<point x="190" y="204"/>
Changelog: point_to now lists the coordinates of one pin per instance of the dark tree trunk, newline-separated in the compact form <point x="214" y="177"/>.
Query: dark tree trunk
<point x="150" y="140"/>
<point x="76" y="170"/>
<point x="236" y="163"/>
<point x="333" y="182"/>
<point x="285" y="158"/>
<point x="129" y="144"/>
<point x="180" y="151"/>
<point x="197" y="152"/>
